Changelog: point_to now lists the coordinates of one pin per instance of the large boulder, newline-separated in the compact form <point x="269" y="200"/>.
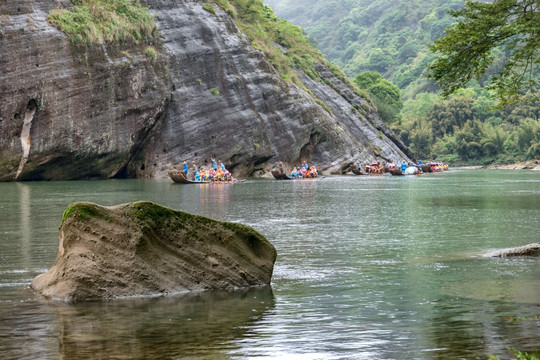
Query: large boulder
<point x="527" y="250"/>
<point x="143" y="249"/>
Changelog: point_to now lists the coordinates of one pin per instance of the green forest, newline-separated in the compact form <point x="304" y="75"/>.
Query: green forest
<point x="384" y="46"/>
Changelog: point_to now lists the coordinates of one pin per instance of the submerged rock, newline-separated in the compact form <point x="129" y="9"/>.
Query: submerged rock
<point x="143" y="249"/>
<point x="527" y="250"/>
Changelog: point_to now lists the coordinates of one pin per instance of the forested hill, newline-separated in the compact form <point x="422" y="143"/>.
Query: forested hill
<point x="366" y="38"/>
<point x="387" y="36"/>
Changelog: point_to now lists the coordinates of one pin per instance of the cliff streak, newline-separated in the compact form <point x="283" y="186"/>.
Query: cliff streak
<point x="25" y="135"/>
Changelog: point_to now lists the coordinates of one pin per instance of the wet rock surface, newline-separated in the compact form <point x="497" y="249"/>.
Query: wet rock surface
<point x="143" y="249"/>
<point x="527" y="250"/>
<point x="109" y="111"/>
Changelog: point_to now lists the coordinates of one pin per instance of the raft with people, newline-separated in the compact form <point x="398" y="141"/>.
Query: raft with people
<point x="301" y="172"/>
<point x="417" y="169"/>
<point x="376" y="168"/>
<point x="217" y="174"/>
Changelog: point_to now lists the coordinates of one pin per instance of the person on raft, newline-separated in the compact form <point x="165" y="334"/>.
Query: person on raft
<point x="186" y="168"/>
<point x="293" y="173"/>
<point x="193" y="169"/>
<point x="403" y="167"/>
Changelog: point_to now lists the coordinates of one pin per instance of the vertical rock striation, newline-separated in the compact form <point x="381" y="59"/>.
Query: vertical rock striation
<point x="109" y="110"/>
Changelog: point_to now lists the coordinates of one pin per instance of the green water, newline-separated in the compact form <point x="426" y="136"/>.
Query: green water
<point x="368" y="268"/>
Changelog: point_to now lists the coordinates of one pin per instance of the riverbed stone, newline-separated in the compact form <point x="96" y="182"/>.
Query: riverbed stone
<point x="144" y="249"/>
<point x="527" y="250"/>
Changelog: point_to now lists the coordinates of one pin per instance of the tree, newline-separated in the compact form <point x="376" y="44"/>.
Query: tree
<point x="445" y="116"/>
<point x="384" y="94"/>
<point x="379" y="60"/>
<point x="466" y="51"/>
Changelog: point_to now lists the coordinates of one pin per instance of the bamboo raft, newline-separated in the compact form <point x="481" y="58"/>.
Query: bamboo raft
<point x="180" y="178"/>
<point x="282" y="176"/>
<point x="278" y="175"/>
<point x="356" y="170"/>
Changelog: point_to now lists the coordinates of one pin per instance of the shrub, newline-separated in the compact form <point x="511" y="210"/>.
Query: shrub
<point x="151" y="53"/>
<point x="96" y="21"/>
<point x="209" y="8"/>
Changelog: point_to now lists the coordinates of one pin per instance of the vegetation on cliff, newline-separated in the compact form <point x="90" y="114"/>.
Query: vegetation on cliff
<point x="96" y="21"/>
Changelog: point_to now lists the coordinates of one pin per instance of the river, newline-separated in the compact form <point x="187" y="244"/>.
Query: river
<point x="367" y="268"/>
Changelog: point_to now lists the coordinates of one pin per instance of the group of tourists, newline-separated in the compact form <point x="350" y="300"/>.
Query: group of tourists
<point x="401" y="169"/>
<point x="373" y="168"/>
<point x="418" y="168"/>
<point x="217" y="172"/>
<point x="304" y="171"/>
<point x="301" y="172"/>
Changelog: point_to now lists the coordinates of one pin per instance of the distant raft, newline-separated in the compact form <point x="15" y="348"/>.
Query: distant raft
<point x="425" y="168"/>
<point x="311" y="173"/>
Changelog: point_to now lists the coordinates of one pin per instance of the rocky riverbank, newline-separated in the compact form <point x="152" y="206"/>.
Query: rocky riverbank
<point x="528" y="165"/>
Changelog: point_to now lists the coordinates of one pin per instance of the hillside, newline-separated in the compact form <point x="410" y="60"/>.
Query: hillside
<point x="391" y="37"/>
<point x="387" y="36"/>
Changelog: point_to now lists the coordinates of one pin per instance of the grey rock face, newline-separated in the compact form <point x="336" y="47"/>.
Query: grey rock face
<point x="72" y="112"/>
<point x="81" y="112"/>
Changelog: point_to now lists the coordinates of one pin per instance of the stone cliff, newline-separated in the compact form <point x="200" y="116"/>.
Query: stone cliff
<point x="109" y="110"/>
<point x="143" y="249"/>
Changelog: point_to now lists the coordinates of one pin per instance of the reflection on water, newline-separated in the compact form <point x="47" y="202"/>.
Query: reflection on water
<point x="199" y="325"/>
<point x="25" y="220"/>
<point x="508" y="290"/>
<point x="367" y="268"/>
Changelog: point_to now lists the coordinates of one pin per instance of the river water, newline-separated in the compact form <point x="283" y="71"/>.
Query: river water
<point x="367" y="268"/>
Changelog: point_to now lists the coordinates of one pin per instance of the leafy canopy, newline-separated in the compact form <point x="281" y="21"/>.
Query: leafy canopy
<point x="467" y="50"/>
<point x="384" y="94"/>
